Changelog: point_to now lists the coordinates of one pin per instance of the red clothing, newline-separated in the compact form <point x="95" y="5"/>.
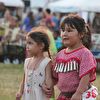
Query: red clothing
<point x="69" y="68"/>
<point x="49" y="21"/>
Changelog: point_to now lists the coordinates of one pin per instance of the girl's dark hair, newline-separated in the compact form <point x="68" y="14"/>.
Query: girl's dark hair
<point x="39" y="38"/>
<point x="78" y="23"/>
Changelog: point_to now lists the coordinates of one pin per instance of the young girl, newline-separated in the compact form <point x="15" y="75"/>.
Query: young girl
<point x="37" y="68"/>
<point x="75" y="67"/>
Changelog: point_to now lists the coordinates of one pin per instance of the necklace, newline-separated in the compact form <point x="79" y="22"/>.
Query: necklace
<point x="34" y="63"/>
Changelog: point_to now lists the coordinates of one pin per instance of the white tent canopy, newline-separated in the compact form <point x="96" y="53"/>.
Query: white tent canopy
<point x="37" y="3"/>
<point x="40" y="3"/>
<point x="63" y="6"/>
<point x="13" y="3"/>
<point x="89" y="5"/>
<point x="75" y="5"/>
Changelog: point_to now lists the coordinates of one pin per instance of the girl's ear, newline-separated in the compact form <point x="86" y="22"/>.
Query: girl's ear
<point x="42" y="46"/>
<point x="81" y="35"/>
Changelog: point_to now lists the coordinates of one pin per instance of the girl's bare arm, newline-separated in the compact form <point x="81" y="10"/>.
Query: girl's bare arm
<point x="48" y="80"/>
<point x="21" y="87"/>
<point x="84" y="83"/>
<point x="83" y="86"/>
<point x="48" y="84"/>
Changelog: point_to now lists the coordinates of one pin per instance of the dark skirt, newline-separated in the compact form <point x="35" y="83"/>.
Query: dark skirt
<point x="65" y="96"/>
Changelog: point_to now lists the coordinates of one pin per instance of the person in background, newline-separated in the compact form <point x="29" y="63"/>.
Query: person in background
<point x="2" y="10"/>
<point x="96" y="23"/>
<point x="56" y="20"/>
<point x="28" y="22"/>
<point x="12" y="32"/>
<point x="48" y="19"/>
<point x="58" y="40"/>
<point x="39" y="15"/>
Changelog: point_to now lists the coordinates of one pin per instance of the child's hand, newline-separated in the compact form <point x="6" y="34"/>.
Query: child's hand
<point x="18" y="96"/>
<point x="77" y="96"/>
<point x="47" y="90"/>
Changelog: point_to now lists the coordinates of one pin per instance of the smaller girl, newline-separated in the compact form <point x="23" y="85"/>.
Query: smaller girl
<point x="37" y="68"/>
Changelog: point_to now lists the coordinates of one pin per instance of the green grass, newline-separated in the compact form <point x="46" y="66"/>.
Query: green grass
<point x="97" y="83"/>
<point x="10" y="77"/>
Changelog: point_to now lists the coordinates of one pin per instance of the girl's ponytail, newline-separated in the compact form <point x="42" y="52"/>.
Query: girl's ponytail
<point x="87" y="37"/>
<point x="49" y="54"/>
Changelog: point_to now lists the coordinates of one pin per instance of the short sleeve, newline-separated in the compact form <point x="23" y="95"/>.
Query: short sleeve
<point x="54" y="73"/>
<point x="26" y="63"/>
<point x="88" y="65"/>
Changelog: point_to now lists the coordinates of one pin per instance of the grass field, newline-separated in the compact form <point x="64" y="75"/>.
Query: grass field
<point x="10" y="77"/>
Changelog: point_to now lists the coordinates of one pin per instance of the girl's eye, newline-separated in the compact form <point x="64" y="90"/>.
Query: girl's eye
<point x="63" y="29"/>
<point x="29" y="43"/>
<point x="69" y="30"/>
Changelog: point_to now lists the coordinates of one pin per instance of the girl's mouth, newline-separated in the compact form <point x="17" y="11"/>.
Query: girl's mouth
<point x="65" y="38"/>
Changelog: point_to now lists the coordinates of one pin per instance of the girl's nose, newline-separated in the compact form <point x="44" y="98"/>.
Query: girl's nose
<point x="64" y="33"/>
<point x="27" y="46"/>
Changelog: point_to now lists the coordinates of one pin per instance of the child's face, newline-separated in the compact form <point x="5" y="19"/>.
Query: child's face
<point x="32" y="47"/>
<point x="70" y="36"/>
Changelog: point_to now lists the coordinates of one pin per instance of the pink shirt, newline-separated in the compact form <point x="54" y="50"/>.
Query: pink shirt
<point x="70" y="67"/>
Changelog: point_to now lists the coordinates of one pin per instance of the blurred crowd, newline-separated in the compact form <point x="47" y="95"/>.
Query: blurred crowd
<point x="14" y="27"/>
